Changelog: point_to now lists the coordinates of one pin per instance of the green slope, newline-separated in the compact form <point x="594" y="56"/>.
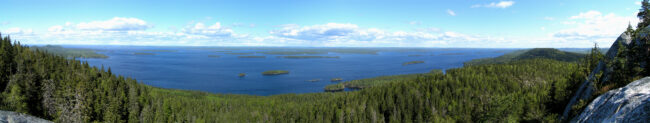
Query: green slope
<point x="546" y="53"/>
<point x="70" y="52"/>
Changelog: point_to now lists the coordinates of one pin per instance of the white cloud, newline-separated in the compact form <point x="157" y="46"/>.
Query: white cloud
<point x="337" y="34"/>
<point x="415" y="22"/>
<point x="593" y="26"/>
<point x="128" y="31"/>
<point x="215" y="30"/>
<point x="450" y="12"/>
<point x="549" y="18"/>
<point x="587" y="15"/>
<point x="17" y="31"/>
<point x="115" y="24"/>
<point x="500" y="4"/>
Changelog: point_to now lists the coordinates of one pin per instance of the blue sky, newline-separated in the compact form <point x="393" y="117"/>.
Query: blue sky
<point x="320" y="23"/>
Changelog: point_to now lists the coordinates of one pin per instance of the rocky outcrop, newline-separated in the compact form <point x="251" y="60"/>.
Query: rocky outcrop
<point x="587" y="88"/>
<point x="627" y="104"/>
<point x="13" y="117"/>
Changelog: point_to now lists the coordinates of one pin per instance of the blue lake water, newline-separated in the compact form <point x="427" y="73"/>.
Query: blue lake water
<point x="190" y="68"/>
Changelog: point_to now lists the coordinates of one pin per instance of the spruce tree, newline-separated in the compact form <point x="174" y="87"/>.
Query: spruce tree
<point x="644" y="14"/>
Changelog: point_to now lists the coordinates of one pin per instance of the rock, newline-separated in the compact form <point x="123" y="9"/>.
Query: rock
<point x="13" y="117"/>
<point x="627" y="104"/>
<point x="586" y="88"/>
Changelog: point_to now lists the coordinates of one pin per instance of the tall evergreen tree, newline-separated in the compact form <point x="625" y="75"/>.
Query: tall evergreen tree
<point x="644" y="14"/>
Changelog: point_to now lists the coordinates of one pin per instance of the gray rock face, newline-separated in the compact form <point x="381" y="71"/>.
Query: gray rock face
<point x="13" y="117"/>
<point x="627" y="104"/>
<point x="586" y="88"/>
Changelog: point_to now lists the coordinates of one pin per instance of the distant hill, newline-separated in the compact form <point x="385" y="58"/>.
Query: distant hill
<point x="546" y="53"/>
<point x="69" y="52"/>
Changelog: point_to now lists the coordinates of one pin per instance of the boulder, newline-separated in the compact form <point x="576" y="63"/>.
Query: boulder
<point x="13" y="117"/>
<point x="627" y="104"/>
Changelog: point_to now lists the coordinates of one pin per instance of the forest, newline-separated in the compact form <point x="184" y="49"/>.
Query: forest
<point x="547" y="53"/>
<point x="67" y="90"/>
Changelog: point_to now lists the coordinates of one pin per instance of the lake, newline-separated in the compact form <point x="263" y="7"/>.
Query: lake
<point x="191" y="68"/>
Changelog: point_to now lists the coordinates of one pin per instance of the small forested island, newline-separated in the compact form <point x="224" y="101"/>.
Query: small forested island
<point x="412" y="62"/>
<point x="214" y="56"/>
<point x="335" y="87"/>
<point x="452" y="54"/>
<point x="414" y="55"/>
<point x="251" y="56"/>
<point x="139" y="53"/>
<point x="307" y="57"/>
<point x="293" y="52"/>
<point x="160" y="50"/>
<point x="336" y="79"/>
<point x="314" y="80"/>
<point x="69" y="52"/>
<point x="275" y="72"/>
<point x="239" y="53"/>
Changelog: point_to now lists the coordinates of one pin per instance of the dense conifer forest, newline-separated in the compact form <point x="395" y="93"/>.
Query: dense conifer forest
<point x="67" y="90"/>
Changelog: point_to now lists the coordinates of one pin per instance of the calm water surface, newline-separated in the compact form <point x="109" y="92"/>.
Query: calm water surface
<point x="190" y="68"/>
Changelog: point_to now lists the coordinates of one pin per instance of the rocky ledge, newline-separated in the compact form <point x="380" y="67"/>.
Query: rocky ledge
<point x="13" y="117"/>
<point x="627" y="104"/>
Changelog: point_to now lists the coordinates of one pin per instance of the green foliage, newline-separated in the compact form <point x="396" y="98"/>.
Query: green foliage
<point x="70" y="52"/>
<point x="547" y="53"/>
<point x="275" y="72"/>
<point x="644" y="15"/>
<point x="335" y="87"/>
<point x="372" y="82"/>
<point x="412" y="62"/>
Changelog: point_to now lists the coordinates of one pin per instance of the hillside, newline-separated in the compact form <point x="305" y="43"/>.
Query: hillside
<point x="546" y="53"/>
<point x="63" y="90"/>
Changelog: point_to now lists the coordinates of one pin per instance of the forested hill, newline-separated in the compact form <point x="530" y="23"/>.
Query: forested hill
<point x="547" y="53"/>
<point x="66" y="90"/>
<point x="69" y="52"/>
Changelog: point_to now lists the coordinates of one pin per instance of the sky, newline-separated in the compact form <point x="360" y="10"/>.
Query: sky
<point x="320" y="23"/>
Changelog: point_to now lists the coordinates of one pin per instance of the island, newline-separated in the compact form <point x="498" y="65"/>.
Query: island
<point x="242" y="74"/>
<point x="414" y="55"/>
<point x="214" y="56"/>
<point x="335" y="88"/>
<point x="251" y="56"/>
<point x="307" y="57"/>
<point x="293" y="52"/>
<point x="275" y="72"/>
<point x="160" y="50"/>
<point x="144" y="54"/>
<point x="412" y="62"/>
<point x="239" y="53"/>
<point x="337" y="79"/>
<point x="314" y="80"/>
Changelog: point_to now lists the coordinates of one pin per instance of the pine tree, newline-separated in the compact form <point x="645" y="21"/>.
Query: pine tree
<point x="644" y="15"/>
